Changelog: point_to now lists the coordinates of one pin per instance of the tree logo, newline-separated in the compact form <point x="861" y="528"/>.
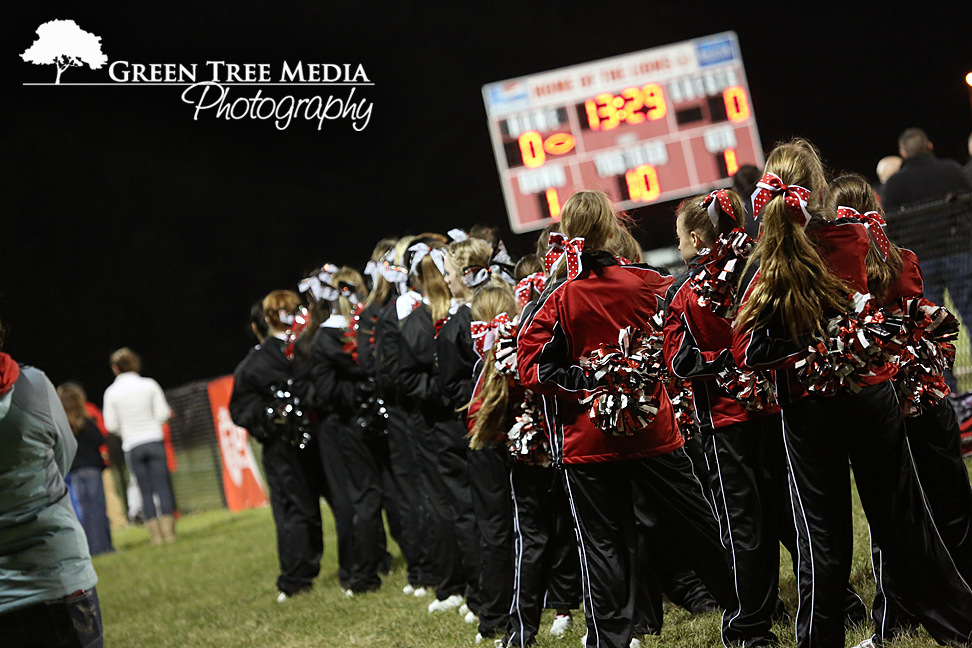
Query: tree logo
<point x="63" y="44"/>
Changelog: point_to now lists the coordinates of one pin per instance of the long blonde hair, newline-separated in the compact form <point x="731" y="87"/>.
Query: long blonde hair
<point x="488" y="422"/>
<point x="353" y="278"/>
<point x="793" y="280"/>
<point x="382" y="287"/>
<point x="853" y="190"/>
<point x="591" y="215"/>
<point x="434" y="286"/>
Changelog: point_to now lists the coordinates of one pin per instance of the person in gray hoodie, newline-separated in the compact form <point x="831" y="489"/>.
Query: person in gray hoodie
<point x="47" y="582"/>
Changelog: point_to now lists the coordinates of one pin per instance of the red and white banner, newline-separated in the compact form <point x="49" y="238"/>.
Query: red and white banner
<point x="242" y="481"/>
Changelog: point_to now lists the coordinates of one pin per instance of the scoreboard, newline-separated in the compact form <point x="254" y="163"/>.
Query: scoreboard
<point x="655" y="125"/>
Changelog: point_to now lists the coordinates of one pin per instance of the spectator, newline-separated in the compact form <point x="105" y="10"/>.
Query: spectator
<point x="922" y="177"/>
<point x="135" y="407"/>
<point x="744" y="183"/>
<point x="968" y="165"/>
<point x="925" y="178"/>
<point x="47" y="584"/>
<point x="86" y="470"/>
<point x="886" y="167"/>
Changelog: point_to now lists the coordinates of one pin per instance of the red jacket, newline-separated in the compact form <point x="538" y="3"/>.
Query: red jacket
<point x="573" y="318"/>
<point x="843" y="245"/>
<point x="909" y="283"/>
<point x="697" y="347"/>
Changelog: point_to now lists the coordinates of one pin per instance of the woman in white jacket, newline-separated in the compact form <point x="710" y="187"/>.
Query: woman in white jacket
<point x="135" y="408"/>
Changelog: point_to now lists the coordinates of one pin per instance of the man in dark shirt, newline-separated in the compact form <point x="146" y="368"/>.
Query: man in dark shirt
<point x="945" y="256"/>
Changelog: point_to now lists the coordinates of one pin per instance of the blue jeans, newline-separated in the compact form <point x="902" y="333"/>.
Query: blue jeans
<point x="90" y="489"/>
<point x="148" y="463"/>
<point x="71" y="622"/>
<point x="952" y="271"/>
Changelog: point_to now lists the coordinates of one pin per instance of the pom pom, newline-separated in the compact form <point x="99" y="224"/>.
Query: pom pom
<point x="526" y="440"/>
<point x="754" y="390"/>
<point x="286" y="418"/>
<point x="683" y="402"/>
<point x="504" y="353"/>
<point x="924" y="350"/>
<point x="627" y="376"/>
<point x="715" y="283"/>
<point x="853" y="346"/>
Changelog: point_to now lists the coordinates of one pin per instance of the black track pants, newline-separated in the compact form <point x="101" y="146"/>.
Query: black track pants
<point x="545" y="563"/>
<point x="819" y="434"/>
<point x="602" y="501"/>
<point x="748" y="481"/>
<point x="335" y="491"/>
<point x="412" y="506"/>
<point x="936" y="446"/>
<point x="489" y="481"/>
<point x="294" y="476"/>
<point x="454" y="471"/>
<point x="365" y="490"/>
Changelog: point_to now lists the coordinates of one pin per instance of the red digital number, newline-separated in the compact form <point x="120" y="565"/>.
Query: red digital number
<point x="655" y="100"/>
<point x="553" y="203"/>
<point x="642" y="183"/>
<point x="737" y="104"/>
<point x="732" y="165"/>
<point x="531" y="149"/>
<point x="633" y="106"/>
<point x="559" y="144"/>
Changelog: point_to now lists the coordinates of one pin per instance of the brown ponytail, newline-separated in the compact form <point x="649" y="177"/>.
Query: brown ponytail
<point x="853" y="190"/>
<point x="489" y="422"/>
<point x="695" y="217"/>
<point x="592" y="216"/>
<point x="793" y="280"/>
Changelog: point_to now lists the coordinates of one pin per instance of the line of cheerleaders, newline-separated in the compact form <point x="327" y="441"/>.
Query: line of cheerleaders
<point x="583" y="427"/>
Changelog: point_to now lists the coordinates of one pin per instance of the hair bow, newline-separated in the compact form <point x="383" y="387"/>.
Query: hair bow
<point x="373" y="270"/>
<point x="794" y="196"/>
<point x="560" y="247"/>
<point x="485" y="334"/>
<point x="419" y="252"/>
<point x="875" y="228"/>
<point x="457" y="235"/>
<point x="348" y="290"/>
<point x="716" y="200"/>
<point x="475" y="275"/>
<point x="319" y="284"/>
<point x="524" y="290"/>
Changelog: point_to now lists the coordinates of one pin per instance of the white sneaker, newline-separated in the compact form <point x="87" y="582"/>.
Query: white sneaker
<point x="635" y="643"/>
<point x="867" y="643"/>
<point x="463" y="609"/>
<point x="419" y="591"/>
<point x="453" y="601"/>
<point x="479" y="637"/>
<point x="560" y="624"/>
<point x="471" y="617"/>
<point x="584" y="641"/>
<point x="348" y="593"/>
<point x="408" y="590"/>
<point x="282" y="598"/>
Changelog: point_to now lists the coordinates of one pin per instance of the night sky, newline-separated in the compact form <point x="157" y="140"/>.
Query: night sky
<point x="126" y="223"/>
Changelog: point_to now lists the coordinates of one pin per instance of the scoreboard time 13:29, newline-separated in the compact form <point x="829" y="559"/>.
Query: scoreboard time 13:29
<point x="655" y="125"/>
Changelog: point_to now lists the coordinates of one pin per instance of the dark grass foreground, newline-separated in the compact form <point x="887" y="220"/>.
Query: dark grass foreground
<point x="215" y="587"/>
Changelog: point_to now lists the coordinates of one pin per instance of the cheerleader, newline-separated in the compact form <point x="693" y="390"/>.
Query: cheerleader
<point x="794" y="281"/>
<point x="741" y="436"/>
<point x="934" y="438"/>
<point x="470" y="265"/>
<point x="402" y="437"/>
<point x="421" y="311"/>
<point x="594" y="300"/>
<point x="269" y="379"/>
<point x="340" y="385"/>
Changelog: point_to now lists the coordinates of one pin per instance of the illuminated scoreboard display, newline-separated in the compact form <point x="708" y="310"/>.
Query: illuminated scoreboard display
<point x="655" y="125"/>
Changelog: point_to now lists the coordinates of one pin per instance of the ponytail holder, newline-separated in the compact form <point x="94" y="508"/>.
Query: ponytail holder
<point x="794" y="196"/>
<point x="537" y="281"/>
<point x="716" y="200"/>
<point x="875" y="228"/>
<point x="560" y="247"/>
<point x="485" y="334"/>
<point x="420" y="251"/>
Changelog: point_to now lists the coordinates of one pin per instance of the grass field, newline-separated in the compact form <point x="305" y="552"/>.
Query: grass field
<point x="215" y="588"/>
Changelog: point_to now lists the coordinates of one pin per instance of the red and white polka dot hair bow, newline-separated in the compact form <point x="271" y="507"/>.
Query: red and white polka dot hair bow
<point x="875" y="228"/>
<point x="795" y="197"/>
<point x="560" y="247"/>
<point x="524" y="290"/>
<point x="715" y="201"/>
<point x="485" y="334"/>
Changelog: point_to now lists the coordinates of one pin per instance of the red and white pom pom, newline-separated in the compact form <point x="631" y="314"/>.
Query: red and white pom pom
<point x="526" y="441"/>
<point x="716" y="281"/>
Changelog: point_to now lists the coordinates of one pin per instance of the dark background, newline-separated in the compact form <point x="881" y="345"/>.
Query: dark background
<point x="125" y="222"/>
